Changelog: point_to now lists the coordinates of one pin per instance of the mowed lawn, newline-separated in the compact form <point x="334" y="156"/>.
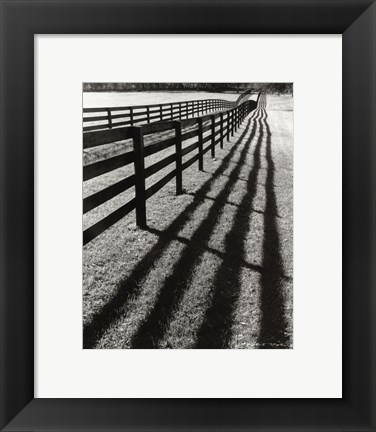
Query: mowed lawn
<point x="124" y="99"/>
<point x="214" y="267"/>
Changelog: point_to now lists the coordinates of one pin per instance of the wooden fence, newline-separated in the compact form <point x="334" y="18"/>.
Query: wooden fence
<point x="219" y="126"/>
<point x="108" y="118"/>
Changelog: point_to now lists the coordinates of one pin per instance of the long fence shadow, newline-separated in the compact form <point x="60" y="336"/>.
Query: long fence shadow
<point x="170" y="295"/>
<point x="130" y="286"/>
<point x="215" y="331"/>
<point x="273" y="326"/>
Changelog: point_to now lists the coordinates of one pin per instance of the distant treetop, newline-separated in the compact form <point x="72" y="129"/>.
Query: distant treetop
<point x="279" y="88"/>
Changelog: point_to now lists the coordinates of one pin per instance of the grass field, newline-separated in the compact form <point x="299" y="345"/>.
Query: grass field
<point x="214" y="268"/>
<point x="123" y="99"/>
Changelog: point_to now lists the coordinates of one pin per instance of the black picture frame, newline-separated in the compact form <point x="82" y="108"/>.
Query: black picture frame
<point x="20" y="21"/>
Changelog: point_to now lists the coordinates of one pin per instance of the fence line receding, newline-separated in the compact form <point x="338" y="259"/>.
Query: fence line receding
<point x="112" y="117"/>
<point x="208" y="131"/>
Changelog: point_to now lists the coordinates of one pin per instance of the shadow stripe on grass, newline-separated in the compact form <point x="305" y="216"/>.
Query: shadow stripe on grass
<point x="273" y="327"/>
<point x="215" y="331"/>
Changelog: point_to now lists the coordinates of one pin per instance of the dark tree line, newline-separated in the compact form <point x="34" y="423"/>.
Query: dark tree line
<point x="279" y="88"/>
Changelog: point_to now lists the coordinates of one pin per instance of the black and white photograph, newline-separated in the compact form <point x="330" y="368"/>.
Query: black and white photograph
<point x="187" y="215"/>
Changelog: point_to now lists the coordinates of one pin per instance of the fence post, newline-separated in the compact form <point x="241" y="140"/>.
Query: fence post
<point x="179" y="110"/>
<point x="213" y="136"/>
<point x="200" y="145"/>
<point x="148" y="114"/>
<point x="179" y="157"/>
<point x="139" y="168"/>
<point x="160" y="112"/>
<point x="109" y="118"/>
<point x="232" y="122"/>
<point x="228" y="125"/>
<point x="171" y="113"/>
<point x="221" y="117"/>
<point x="131" y="115"/>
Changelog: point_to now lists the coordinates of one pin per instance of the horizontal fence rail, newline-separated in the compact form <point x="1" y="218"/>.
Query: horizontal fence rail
<point x="206" y="131"/>
<point x="115" y="117"/>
